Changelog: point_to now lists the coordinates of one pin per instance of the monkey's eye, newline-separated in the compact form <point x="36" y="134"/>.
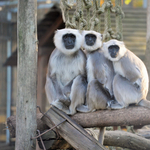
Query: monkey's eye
<point x="65" y="37"/>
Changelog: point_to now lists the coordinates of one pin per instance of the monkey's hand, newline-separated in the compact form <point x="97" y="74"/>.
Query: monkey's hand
<point x="65" y="100"/>
<point x="60" y="106"/>
<point x="136" y="85"/>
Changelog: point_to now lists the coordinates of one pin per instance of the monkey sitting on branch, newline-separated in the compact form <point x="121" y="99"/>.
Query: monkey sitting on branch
<point x="100" y="74"/>
<point x="131" y="82"/>
<point x="66" y="83"/>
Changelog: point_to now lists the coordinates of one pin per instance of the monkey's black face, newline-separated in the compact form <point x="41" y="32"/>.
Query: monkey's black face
<point x="113" y="50"/>
<point x="69" y="40"/>
<point x="90" y="39"/>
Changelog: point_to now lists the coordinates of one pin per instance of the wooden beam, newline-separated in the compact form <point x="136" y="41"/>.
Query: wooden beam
<point x="50" y="31"/>
<point x="26" y="74"/>
<point x="112" y="138"/>
<point x="73" y="133"/>
<point x="126" y="140"/>
<point x="133" y="115"/>
<point x="136" y="116"/>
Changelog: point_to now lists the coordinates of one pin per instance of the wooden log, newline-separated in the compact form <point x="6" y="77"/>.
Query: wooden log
<point x="131" y="142"/>
<point x="133" y="115"/>
<point x="11" y="123"/>
<point x="136" y="116"/>
<point x="122" y="139"/>
<point x="126" y="140"/>
<point x="26" y="74"/>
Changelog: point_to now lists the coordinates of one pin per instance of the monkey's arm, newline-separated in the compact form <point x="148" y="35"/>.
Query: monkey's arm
<point x="131" y="71"/>
<point x="67" y="89"/>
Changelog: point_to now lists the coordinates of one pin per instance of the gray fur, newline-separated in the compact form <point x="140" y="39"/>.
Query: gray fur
<point x="131" y="82"/>
<point x="100" y="75"/>
<point x="65" y="71"/>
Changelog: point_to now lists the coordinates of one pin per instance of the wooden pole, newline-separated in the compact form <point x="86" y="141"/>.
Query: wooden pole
<point x="27" y="74"/>
<point x="147" y="56"/>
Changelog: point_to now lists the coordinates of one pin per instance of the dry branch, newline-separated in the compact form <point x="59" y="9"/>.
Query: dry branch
<point x="135" y="116"/>
<point x="126" y="140"/>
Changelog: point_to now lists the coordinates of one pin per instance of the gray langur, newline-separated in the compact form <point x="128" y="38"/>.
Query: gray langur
<point x="100" y="75"/>
<point x="131" y="82"/>
<point x="65" y="83"/>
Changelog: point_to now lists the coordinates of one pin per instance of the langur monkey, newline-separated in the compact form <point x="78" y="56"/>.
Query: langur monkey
<point x="100" y="76"/>
<point x="100" y="73"/>
<point x="131" y="82"/>
<point x="65" y="83"/>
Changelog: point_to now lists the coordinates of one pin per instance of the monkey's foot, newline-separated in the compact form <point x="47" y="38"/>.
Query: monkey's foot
<point x="60" y="106"/>
<point x="83" y="108"/>
<point x="65" y="101"/>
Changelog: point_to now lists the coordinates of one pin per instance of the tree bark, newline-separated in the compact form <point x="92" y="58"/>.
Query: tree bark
<point x="27" y="74"/>
<point x="126" y="140"/>
<point x="135" y="115"/>
<point x="147" y="55"/>
<point x="112" y="138"/>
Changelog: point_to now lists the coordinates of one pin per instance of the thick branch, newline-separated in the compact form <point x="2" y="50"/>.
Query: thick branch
<point x="135" y="115"/>
<point x="112" y="138"/>
<point x="126" y="140"/>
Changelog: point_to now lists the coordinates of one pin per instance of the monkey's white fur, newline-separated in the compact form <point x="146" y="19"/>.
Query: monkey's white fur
<point x="60" y="45"/>
<point x="131" y="82"/>
<point x="114" y="42"/>
<point x="98" y="42"/>
<point x="66" y="85"/>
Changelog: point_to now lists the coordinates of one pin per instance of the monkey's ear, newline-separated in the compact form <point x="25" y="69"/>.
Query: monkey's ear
<point x="121" y="43"/>
<point x="56" y="31"/>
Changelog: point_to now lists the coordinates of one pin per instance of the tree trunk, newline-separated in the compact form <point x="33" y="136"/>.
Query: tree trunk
<point x="147" y="56"/>
<point x="27" y="74"/>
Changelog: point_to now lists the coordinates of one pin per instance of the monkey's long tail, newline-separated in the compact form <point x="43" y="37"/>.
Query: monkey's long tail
<point x="145" y="103"/>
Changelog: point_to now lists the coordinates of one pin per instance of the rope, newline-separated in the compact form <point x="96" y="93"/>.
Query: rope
<point x="88" y="5"/>
<point x="94" y="23"/>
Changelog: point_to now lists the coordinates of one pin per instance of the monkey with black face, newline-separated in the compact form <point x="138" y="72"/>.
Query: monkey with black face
<point x="100" y="74"/>
<point x="131" y="82"/>
<point x="66" y="84"/>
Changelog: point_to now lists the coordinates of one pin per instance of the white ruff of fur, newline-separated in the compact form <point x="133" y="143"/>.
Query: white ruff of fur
<point x="98" y="42"/>
<point x="121" y="45"/>
<point x="59" y="42"/>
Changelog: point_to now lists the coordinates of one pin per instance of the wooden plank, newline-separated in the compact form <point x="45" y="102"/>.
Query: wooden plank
<point x="70" y="133"/>
<point x="26" y="123"/>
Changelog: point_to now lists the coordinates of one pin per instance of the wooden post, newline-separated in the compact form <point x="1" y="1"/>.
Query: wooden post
<point x="147" y="56"/>
<point x="27" y="75"/>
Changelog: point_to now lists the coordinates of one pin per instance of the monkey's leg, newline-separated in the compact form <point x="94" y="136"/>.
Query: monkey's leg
<point x="54" y="93"/>
<point x="145" y="103"/>
<point x="96" y="98"/>
<point x="89" y="106"/>
<point x="77" y="95"/>
<point x="125" y="92"/>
